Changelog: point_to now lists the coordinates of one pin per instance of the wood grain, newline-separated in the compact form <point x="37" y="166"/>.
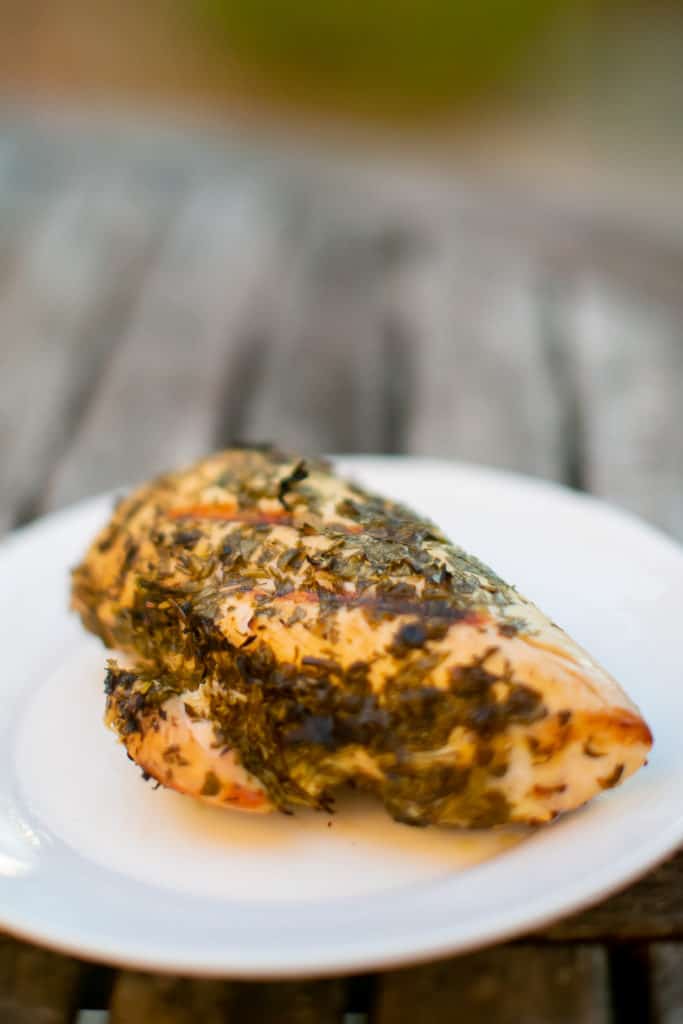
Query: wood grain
<point x="140" y="999"/>
<point x="481" y="386"/>
<point x="666" y="983"/>
<point x="60" y="311"/>
<point x="650" y="909"/>
<point x="22" y="204"/>
<point x="161" y="397"/>
<point x="506" y="985"/>
<point x="628" y="352"/>
<point x="305" y="1002"/>
<point x="36" y="987"/>
<point x="320" y="382"/>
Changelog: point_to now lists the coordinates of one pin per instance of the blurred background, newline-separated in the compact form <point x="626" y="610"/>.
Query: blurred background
<point x="442" y="227"/>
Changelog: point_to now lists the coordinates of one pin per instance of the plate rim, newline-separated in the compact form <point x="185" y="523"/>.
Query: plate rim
<point x="338" y="966"/>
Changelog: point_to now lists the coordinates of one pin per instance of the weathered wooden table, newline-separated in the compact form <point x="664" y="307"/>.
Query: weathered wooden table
<point x="162" y="294"/>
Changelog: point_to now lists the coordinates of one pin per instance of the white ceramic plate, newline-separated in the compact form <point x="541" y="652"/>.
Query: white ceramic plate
<point x="96" y="862"/>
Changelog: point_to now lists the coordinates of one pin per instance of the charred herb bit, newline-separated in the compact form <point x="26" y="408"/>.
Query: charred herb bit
<point x="290" y="559"/>
<point x="124" y="515"/>
<point x="484" y="755"/>
<point x="464" y="586"/>
<point x="441" y="792"/>
<point x="415" y="795"/>
<point x="491" y="808"/>
<point x="298" y="615"/>
<point x="117" y="678"/>
<point x="247" y="547"/>
<point x="172" y="755"/>
<point x="394" y="600"/>
<point x="110" y="536"/>
<point x="131" y="549"/>
<point x="316" y="730"/>
<point x="173" y="620"/>
<point x="413" y="634"/>
<point x="613" y="778"/>
<point x="420" y="717"/>
<point x="186" y="538"/>
<point x="544" y="791"/>
<point x="322" y="663"/>
<point x="212" y="786"/>
<point x="348" y="509"/>
<point x="299" y="473"/>
<point x="524" y="704"/>
<point x="482" y="712"/>
<point x="128" y="710"/>
<point x="485" y="718"/>
<point x="474" y="680"/>
<point x="540" y="753"/>
<point x="513" y="626"/>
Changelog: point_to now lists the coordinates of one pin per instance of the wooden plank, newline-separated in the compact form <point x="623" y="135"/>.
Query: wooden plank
<point x="481" y="384"/>
<point x="141" y="998"/>
<point x="159" y="402"/>
<point x="628" y="352"/>
<point x="305" y="1002"/>
<point x="320" y="386"/>
<point x="533" y="984"/>
<point x="666" y="983"/>
<point x="59" y="314"/>
<point x="24" y="196"/>
<point x="11" y="206"/>
<point x="36" y="986"/>
<point x="394" y="333"/>
<point x="650" y="909"/>
<point x="66" y="140"/>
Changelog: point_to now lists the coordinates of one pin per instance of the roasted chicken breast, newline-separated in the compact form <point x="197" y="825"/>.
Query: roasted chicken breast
<point x="285" y="632"/>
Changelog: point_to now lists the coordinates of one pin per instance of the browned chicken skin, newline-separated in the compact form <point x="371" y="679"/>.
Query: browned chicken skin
<point x="290" y="632"/>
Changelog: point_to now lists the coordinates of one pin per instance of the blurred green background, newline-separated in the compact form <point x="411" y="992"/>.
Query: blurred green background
<point x="564" y="90"/>
<point x="380" y="56"/>
<point x="390" y="55"/>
